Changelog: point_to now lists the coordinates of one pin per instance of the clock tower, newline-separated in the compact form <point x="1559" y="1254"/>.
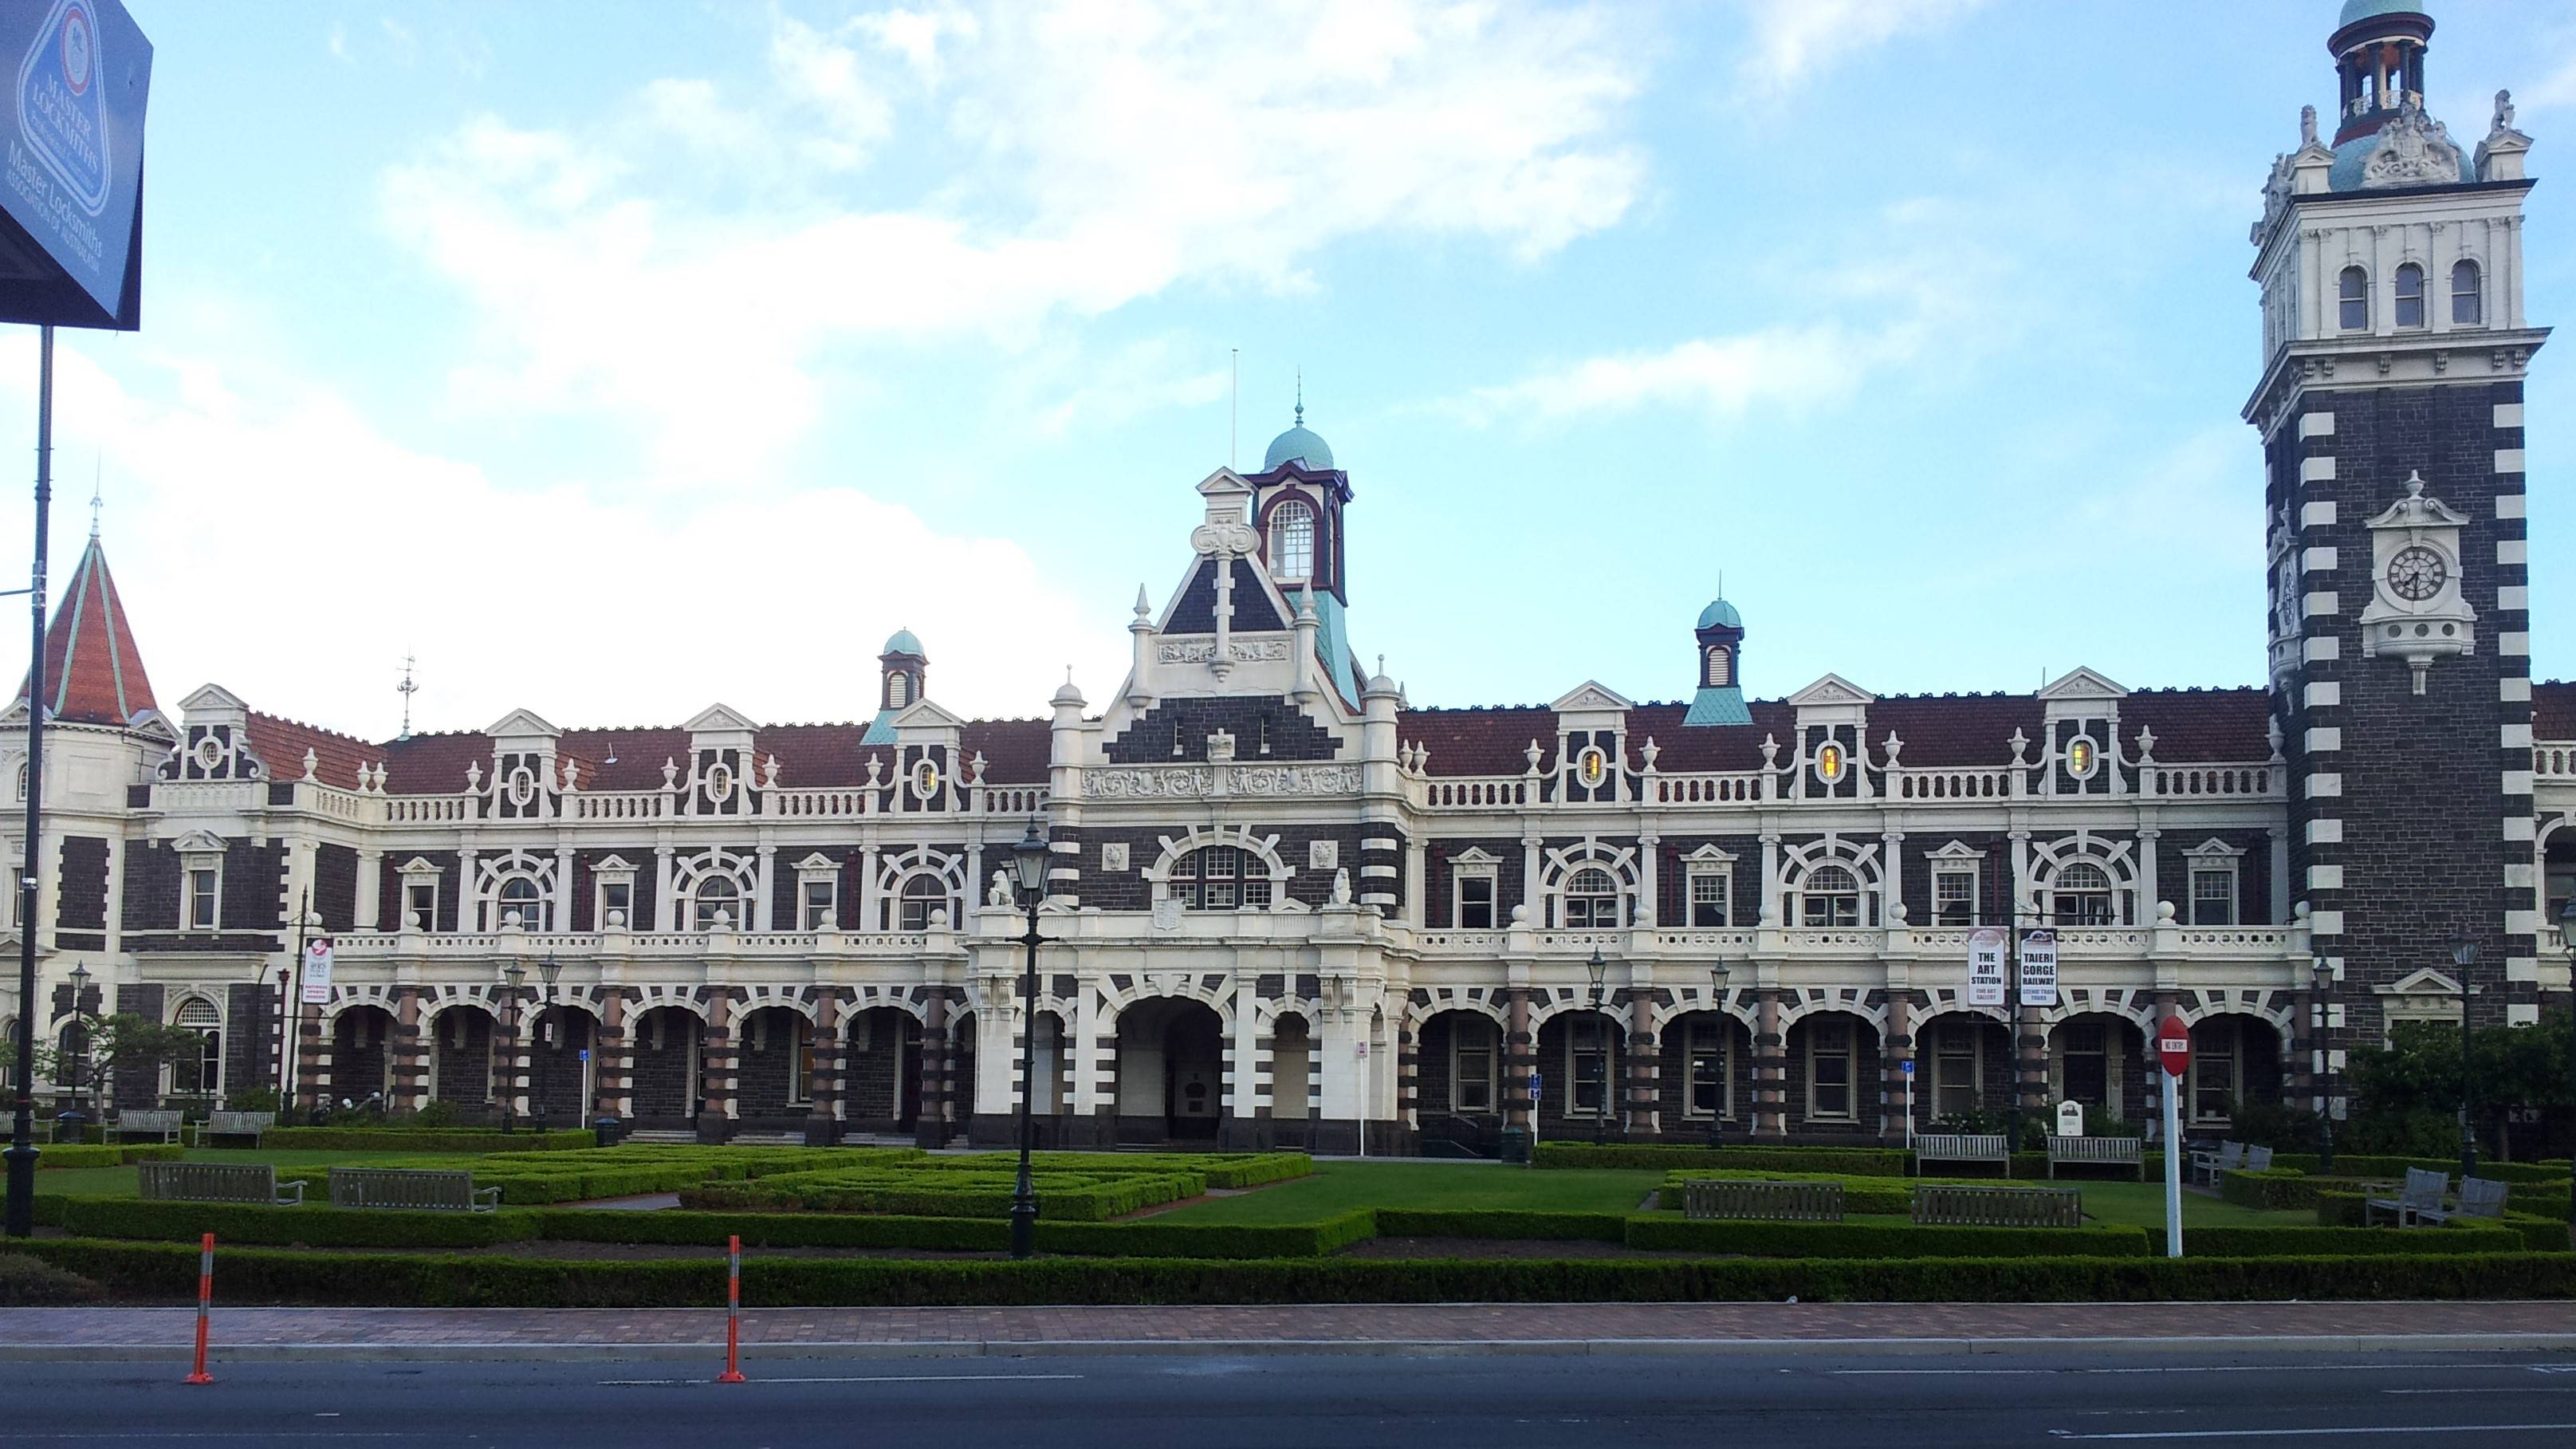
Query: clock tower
<point x="2391" y="411"/>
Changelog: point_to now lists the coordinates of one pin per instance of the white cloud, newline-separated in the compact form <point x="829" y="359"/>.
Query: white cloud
<point x="1106" y="155"/>
<point x="516" y="598"/>
<point x="1794" y="39"/>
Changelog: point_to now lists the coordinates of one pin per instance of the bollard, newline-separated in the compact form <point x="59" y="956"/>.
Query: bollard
<point x="733" y="1311"/>
<point x="205" y="1301"/>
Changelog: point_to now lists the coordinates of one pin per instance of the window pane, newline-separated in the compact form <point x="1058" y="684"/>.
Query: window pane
<point x="1708" y="892"/>
<point x="2410" y="296"/>
<point x="2466" y="303"/>
<point x="2353" y="305"/>
<point x="1292" y="540"/>
<point x="1476" y="902"/>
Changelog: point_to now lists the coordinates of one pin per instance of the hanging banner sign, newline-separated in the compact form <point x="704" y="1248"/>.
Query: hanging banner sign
<point x="71" y="162"/>
<point x="317" y="972"/>
<point x="2039" y="968"/>
<point x="1986" y="966"/>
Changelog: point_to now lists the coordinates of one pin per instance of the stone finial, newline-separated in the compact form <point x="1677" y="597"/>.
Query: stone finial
<point x="1531" y="754"/>
<point x="572" y="776"/>
<point x="975" y="768"/>
<point x="2164" y="913"/>
<point x="2020" y="746"/>
<point x="1647" y="752"/>
<point x="1770" y="752"/>
<point x="999" y="892"/>
<point x="1893" y="748"/>
<point x="473" y="776"/>
<point x="2308" y="125"/>
<point x="876" y="770"/>
<point x="2503" y="112"/>
<point x="2272" y="737"/>
<point x="1342" y="886"/>
<point x="769" y="773"/>
<point x="309" y="763"/>
<point x="670" y="773"/>
<point x="2146" y="746"/>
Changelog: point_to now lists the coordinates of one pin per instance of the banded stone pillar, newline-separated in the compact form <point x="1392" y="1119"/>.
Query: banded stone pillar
<point x="409" y="1087"/>
<point x="312" y="1058"/>
<point x="1897" y="1049"/>
<point x="2030" y="1041"/>
<point x="1520" y="1058"/>
<point x="930" y="1128"/>
<point x="1770" y="1067"/>
<point x="823" y="1125"/>
<point x="614" y="1079"/>
<point x="1645" y="1062"/>
<point x="718" y="1055"/>
<point x="1408" y="1075"/>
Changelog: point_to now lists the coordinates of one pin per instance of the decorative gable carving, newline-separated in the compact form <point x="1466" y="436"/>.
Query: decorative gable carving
<point x="1591" y="697"/>
<point x="718" y="719"/>
<point x="1833" y="689"/>
<point x="2082" y="686"/>
<point x="522" y="724"/>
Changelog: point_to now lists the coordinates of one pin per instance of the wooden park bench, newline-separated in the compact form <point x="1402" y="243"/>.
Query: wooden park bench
<point x="2422" y="1194"/>
<point x="247" y="1182"/>
<point x="2480" y="1198"/>
<point x="1991" y="1147"/>
<point x="234" y="1124"/>
<point x="2258" y="1159"/>
<point x="2110" y="1151"/>
<point x="410" y="1187"/>
<point x="161" y="1123"/>
<point x="1964" y="1205"/>
<point x="1778" y="1202"/>
<point x="2206" y="1166"/>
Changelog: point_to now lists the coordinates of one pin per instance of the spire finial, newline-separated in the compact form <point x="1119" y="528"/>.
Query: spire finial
<point x="407" y="689"/>
<point x="1301" y="395"/>
<point x="94" y="499"/>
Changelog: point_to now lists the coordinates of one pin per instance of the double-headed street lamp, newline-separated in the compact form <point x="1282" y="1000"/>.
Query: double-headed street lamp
<point x="1029" y="873"/>
<point x="512" y="976"/>
<point x="80" y="1069"/>
<point x="1600" y="971"/>
<point x="2567" y="938"/>
<point x="547" y="970"/>
<point x="1717" y="975"/>
<point x="2464" y="955"/>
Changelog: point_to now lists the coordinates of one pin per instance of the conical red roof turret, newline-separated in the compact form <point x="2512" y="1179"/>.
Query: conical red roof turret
<point x="93" y="671"/>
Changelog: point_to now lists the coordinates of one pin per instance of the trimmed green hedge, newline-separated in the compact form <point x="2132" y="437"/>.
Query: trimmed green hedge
<point x="2350" y="1165"/>
<point x="72" y="1155"/>
<point x="1510" y="1223"/>
<point x="1879" y="1240"/>
<point x="2265" y="1242"/>
<point x="1812" y="1164"/>
<point x="317" y="1227"/>
<point x="2544" y="1235"/>
<point x="257" y="1275"/>
<point x="423" y="1139"/>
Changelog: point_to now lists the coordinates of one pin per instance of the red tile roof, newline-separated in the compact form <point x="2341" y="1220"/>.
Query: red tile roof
<point x="1936" y="730"/>
<point x="280" y="744"/>
<point x="810" y="756"/>
<point x="2553" y="710"/>
<point x="93" y="671"/>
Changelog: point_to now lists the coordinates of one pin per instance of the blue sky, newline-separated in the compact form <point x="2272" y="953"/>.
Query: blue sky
<point x="618" y="359"/>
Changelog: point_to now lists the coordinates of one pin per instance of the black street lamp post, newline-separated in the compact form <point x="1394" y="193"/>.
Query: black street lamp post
<point x="547" y="970"/>
<point x="2322" y="1015"/>
<point x="2567" y="938"/>
<point x="2464" y="954"/>
<point x="1029" y="873"/>
<point x="511" y="977"/>
<point x="1717" y="975"/>
<point x="81" y="1069"/>
<point x="1600" y="971"/>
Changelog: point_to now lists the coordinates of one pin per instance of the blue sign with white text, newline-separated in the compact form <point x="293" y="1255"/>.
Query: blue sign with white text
<point x="73" y="175"/>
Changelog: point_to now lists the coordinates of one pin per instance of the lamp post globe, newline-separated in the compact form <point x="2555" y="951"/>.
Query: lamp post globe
<point x="80" y="1069"/>
<point x="2567" y="938"/>
<point x="1600" y="973"/>
<point x="1717" y="974"/>
<point x="2322" y="977"/>
<point x="1029" y="872"/>
<point x="548" y="970"/>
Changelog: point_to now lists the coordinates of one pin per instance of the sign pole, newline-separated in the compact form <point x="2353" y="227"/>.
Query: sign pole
<point x="22" y="1130"/>
<point x="2173" y="1049"/>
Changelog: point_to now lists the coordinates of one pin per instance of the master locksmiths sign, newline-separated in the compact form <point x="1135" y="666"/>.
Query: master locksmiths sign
<point x="71" y="188"/>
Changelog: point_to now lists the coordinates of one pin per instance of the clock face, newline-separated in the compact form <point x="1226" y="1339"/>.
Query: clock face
<point x="2417" y="573"/>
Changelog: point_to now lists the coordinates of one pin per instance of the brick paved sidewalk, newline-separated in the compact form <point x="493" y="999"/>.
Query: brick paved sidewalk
<point x="63" y="1333"/>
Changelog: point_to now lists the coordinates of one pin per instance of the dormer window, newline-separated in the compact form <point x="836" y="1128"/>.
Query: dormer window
<point x="2352" y="300"/>
<point x="1292" y="540"/>
<point x="2410" y="295"/>
<point x="2468" y="303"/>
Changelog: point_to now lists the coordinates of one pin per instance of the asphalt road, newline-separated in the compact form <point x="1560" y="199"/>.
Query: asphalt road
<point x="1811" y="1400"/>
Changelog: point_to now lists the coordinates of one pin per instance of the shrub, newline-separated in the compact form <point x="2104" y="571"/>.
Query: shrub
<point x="32" y="1283"/>
<point x="2288" y="1241"/>
<point x="2349" y="1164"/>
<point x="394" y="1137"/>
<point x="254" y="1275"/>
<point x="1879" y="1240"/>
<point x="1509" y="1223"/>
<point x="318" y="1227"/>
<point x="105" y="1155"/>
<point x="2274" y="1189"/>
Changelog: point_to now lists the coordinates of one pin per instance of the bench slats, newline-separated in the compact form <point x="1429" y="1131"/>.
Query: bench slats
<point x="2116" y="1151"/>
<point x="242" y="1182"/>
<point x="410" y="1187"/>
<point x="1784" y="1202"/>
<point x="1967" y="1205"/>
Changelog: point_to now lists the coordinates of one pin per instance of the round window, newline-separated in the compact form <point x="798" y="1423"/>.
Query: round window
<point x="210" y="753"/>
<point x="719" y="781"/>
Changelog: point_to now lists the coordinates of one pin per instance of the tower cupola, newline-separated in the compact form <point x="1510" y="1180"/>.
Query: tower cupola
<point x="2378" y="46"/>
<point x="1298" y="497"/>
<point x="903" y="675"/>
<point x="1720" y="696"/>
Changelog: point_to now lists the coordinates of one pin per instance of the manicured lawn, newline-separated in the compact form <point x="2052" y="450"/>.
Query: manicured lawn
<point x="1339" y="1186"/>
<point x="119" y="1181"/>
<point x="2143" y="1203"/>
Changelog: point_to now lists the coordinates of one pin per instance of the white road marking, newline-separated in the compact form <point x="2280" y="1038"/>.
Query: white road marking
<point x="2214" y="1368"/>
<point x="2318" y="1433"/>
<point x="2493" y="1389"/>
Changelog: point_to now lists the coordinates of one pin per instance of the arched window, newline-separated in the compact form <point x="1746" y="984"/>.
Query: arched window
<point x="1292" y="540"/>
<point x="2410" y="295"/>
<point x="1220" y="878"/>
<point x="898" y="690"/>
<point x="715" y="895"/>
<point x="202" y="1071"/>
<point x="2082" y="896"/>
<point x="520" y="896"/>
<point x="2468" y="303"/>
<point x="1830" y="896"/>
<point x="1720" y="671"/>
<point x="2352" y="292"/>
<point x="920" y="895"/>
<point x="1592" y="900"/>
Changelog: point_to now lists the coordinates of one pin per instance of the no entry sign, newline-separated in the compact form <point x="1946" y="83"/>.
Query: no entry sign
<point x="2173" y="1046"/>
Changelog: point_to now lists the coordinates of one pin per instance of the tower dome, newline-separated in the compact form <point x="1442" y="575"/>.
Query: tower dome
<point x="1301" y="446"/>
<point x="903" y="641"/>
<point x="1720" y="615"/>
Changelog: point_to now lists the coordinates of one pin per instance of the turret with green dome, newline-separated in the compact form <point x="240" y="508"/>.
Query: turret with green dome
<point x="1720" y="699"/>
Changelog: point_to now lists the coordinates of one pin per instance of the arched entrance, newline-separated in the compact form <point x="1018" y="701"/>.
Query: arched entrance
<point x="1707" y="1077"/>
<point x="776" y="1080"/>
<point x="1460" y="1084"/>
<point x="885" y="1070"/>
<point x="1834" y="1077"/>
<point x="2098" y="1058"/>
<point x="460" y="1060"/>
<point x="1964" y="1069"/>
<point x="562" y="1052"/>
<point x="668" y="1069"/>
<point x="2235" y="1061"/>
<point x="361" y="1058"/>
<point x="1171" y="1071"/>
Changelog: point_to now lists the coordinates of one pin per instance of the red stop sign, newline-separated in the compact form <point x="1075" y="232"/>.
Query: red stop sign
<point x="2173" y="1045"/>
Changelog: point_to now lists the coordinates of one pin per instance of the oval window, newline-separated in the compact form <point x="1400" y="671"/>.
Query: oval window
<point x="719" y="781"/>
<point x="2079" y="757"/>
<point x="1592" y="766"/>
<point x="925" y="779"/>
<point x="1829" y="763"/>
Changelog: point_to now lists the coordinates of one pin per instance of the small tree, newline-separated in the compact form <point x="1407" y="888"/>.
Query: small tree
<point x="119" y="1043"/>
<point x="2407" y="1086"/>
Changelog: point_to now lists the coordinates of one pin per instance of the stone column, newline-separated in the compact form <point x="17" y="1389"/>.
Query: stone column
<point x="1408" y="1075"/>
<point x="312" y="1057"/>
<point x="409" y="1089"/>
<point x="823" y="1122"/>
<point x="1645" y="1061"/>
<point x="1520" y="1058"/>
<point x="930" y="1129"/>
<point x="717" y="1058"/>
<point x="1896" y="1049"/>
<point x="1248" y="1065"/>
<point x="1770" y="1067"/>
<point x="613" y="1074"/>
